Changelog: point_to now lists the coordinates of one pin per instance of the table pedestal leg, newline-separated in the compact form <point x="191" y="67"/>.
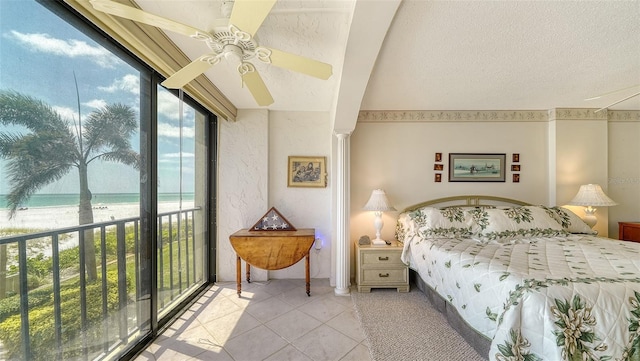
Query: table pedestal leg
<point x="248" y="273"/>
<point x="238" y="273"/>
<point x="307" y="277"/>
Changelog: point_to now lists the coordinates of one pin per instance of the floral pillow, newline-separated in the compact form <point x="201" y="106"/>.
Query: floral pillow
<point x="571" y="222"/>
<point x="450" y="222"/>
<point x="507" y="224"/>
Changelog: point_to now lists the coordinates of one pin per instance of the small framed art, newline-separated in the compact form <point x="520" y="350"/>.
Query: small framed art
<point x="438" y="166"/>
<point x="515" y="157"/>
<point x="516" y="178"/>
<point x="438" y="157"/>
<point x="477" y="167"/>
<point x="438" y="178"/>
<point x="307" y="172"/>
<point x="515" y="167"/>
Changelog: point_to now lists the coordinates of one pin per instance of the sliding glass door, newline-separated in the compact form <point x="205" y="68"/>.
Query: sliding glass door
<point x="104" y="191"/>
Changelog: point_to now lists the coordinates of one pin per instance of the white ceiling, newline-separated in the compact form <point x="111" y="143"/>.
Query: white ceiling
<point x="442" y="55"/>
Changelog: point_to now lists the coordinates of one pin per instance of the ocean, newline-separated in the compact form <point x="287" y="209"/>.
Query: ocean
<point x="62" y="199"/>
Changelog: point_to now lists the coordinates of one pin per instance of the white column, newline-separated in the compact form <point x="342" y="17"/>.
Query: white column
<point x="343" y="275"/>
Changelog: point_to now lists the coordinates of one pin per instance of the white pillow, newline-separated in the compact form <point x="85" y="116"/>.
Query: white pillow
<point x="570" y="221"/>
<point x="515" y="223"/>
<point x="450" y="222"/>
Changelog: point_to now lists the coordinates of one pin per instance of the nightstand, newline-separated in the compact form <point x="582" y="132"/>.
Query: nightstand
<point x="381" y="267"/>
<point x="629" y="231"/>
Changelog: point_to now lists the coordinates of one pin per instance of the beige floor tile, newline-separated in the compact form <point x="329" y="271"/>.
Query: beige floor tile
<point x="256" y="344"/>
<point x="288" y="353"/>
<point x="231" y="325"/>
<point x="293" y="325"/>
<point x="323" y="309"/>
<point x="347" y="323"/>
<point x="273" y="320"/>
<point x="359" y="353"/>
<point x="267" y="310"/>
<point x="325" y="344"/>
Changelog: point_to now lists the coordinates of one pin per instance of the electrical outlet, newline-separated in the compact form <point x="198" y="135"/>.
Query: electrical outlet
<point x="318" y="244"/>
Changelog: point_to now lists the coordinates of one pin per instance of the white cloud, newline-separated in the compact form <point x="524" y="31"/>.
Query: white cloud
<point x="129" y="83"/>
<point x="168" y="130"/>
<point x="70" y="48"/>
<point x="66" y="113"/>
<point x="168" y="106"/>
<point x="96" y="103"/>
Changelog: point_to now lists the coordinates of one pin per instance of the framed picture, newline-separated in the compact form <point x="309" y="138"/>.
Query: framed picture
<point x="477" y="167"/>
<point x="438" y="166"/>
<point x="438" y="178"/>
<point x="515" y="167"/>
<point x="438" y="157"/>
<point x="515" y="158"/>
<point x="307" y="172"/>
<point x="516" y="178"/>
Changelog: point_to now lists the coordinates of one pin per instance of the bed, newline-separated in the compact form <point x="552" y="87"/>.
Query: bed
<point x="525" y="282"/>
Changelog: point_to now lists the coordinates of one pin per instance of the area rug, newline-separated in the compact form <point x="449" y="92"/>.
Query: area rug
<point x="404" y="326"/>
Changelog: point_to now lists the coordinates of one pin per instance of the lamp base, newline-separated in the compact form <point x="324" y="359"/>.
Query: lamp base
<point x="590" y="216"/>
<point x="378" y="242"/>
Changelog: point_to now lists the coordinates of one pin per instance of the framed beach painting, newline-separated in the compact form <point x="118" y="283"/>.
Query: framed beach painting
<point x="307" y="172"/>
<point x="477" y="167"/>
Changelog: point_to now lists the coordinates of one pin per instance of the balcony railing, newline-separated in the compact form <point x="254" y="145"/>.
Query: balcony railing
<point x="63" y="313"/>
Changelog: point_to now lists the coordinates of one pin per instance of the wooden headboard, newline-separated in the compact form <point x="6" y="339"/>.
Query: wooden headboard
<point x="468" y="201"/>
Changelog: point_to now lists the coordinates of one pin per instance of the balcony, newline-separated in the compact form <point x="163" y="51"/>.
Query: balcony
<point x="52" y="307"/>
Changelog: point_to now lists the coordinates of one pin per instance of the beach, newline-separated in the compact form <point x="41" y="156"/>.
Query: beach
<point x="49" y="218"/>
<point x="42" y="218"/>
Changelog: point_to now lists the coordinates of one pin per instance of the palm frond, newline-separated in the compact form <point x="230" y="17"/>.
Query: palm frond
<point x="29" y="112"/>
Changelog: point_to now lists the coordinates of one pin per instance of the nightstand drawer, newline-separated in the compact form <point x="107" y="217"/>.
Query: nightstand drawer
<point x="385" y="259"/>
<point x="384" y="276"/>
<point x="381" y="267"/>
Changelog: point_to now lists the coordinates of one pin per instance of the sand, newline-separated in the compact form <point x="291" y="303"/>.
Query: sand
<point x="47" y="218"/>
<point x="67" y="216"/>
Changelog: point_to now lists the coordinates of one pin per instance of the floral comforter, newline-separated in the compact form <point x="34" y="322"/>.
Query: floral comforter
<point x="556" y="298"/>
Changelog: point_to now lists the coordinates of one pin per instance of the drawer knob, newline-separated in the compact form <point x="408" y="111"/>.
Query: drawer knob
<point x="383" y="258"/>
<point x="383" y="275"/>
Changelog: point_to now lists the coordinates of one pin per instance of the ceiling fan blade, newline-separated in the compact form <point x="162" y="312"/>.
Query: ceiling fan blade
<point x="248" y="15"/>
<point x="252" y="79"/>
<point x="619" y="101"/>
<point x="613" y="92"/>
<point x="190" y="72"/>
<point x="301" y="64"/>
<point x="131" y="13"/>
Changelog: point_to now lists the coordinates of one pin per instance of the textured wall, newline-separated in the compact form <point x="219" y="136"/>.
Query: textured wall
<point x="252" y="173"/>
<point x="243" y="192"/>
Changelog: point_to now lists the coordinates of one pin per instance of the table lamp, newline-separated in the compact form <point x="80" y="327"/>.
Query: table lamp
<point x="378" y="203"/>
<point x="591" y="196"/>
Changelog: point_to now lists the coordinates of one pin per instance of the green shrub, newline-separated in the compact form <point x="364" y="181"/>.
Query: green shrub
<point x="42" y="321"/>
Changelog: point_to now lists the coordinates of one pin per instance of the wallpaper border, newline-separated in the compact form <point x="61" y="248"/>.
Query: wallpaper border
<point x="374" y="116"/>
<point x="452" y="116"/>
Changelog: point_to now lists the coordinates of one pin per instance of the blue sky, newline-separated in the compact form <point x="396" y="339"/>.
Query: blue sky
<point x="39" y="54"/>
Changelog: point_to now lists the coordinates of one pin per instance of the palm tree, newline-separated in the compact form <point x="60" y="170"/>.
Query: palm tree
<point x="53" y="145"/>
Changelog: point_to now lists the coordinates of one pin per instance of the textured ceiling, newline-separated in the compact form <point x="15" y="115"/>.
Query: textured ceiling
<point x="489" y="55"/>
<point x="443" y="55"/>
<point x="315" y="29"/>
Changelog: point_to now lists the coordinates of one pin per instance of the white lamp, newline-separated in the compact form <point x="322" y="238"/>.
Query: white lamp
<point x="590" y="196"/>
<point x="378" y="203"/>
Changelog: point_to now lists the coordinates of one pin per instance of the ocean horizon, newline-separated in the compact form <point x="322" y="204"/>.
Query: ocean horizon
<point x="99" y="199"/>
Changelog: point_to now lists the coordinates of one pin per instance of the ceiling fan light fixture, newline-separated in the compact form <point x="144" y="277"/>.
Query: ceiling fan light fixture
<point x="233" y="54"/>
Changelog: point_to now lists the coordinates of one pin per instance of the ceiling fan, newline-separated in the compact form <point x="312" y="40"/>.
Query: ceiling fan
<point x="615" y="92"/>
<point x="232" y="39"/>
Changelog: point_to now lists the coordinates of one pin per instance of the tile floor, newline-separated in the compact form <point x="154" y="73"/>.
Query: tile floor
<point x="273" y="320"/>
